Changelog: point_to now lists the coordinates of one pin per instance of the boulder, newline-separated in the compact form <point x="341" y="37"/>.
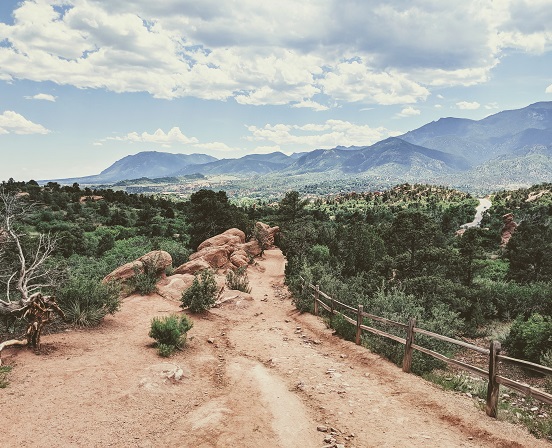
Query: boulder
<point x="172" y="287"/>
<point x="157" y="260"/>
<point x="252" y="248"/>
<point x="192" y="267"/>
<point x="231" y="237"/>
<point x="216" y="256"/>
<point x="239" y="258"/>
<point x="236" y="232"/>
<point x="265" y="234"/>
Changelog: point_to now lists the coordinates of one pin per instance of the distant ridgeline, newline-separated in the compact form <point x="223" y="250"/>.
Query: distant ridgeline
<point x="506" y="150"/>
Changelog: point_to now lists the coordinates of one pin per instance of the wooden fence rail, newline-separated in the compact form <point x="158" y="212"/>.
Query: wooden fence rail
<point x="493" y="352"/>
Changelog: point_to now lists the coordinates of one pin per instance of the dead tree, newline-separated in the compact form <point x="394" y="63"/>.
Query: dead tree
<point x="24" y="273"/>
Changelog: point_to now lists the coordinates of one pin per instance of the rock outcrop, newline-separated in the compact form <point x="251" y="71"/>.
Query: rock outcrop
<point x="508" y="228"/>
<point x="156" y="261"/>
<point x="229" y="250"/>
<point x="221" y="252"/>
<point x="231" y="237"/>
<point x="265" y="235"/>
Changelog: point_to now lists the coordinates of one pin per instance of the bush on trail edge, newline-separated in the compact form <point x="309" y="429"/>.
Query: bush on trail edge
<point x="202" y="294"/>
<point x="170" y="333"/>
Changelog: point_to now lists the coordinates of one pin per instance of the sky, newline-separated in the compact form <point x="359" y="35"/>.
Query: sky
<point x="84" y="83"/>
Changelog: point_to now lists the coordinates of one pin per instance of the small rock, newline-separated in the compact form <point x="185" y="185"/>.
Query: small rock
<point x="328" y="439"/>
<point x="322" y="428"/>
<point x="339" y="445"/>
<point x="534" y="409"/>
<point x="342" y="356"/>
<point x="211" y="340"/>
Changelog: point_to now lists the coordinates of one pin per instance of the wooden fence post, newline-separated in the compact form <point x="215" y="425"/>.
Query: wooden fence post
<point x="407" y="359"/>
<point x="316" y="296"/>
<point x="359" y="322"/>
<point x="493" y="387"/>
<point x="332" y="310"/>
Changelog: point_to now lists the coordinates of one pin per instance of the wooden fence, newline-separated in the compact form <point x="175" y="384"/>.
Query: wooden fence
<point x="492" y="375"/>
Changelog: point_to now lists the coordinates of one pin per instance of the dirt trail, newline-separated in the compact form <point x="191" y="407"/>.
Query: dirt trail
<point x="255" y="374"/>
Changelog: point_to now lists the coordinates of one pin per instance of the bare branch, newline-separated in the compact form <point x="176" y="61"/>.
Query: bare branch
<point x="31" y="273"/>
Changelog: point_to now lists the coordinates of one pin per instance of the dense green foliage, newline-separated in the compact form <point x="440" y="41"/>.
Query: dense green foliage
<point x="202" y="294"/>
<point x="87" y="301"/>
<point x="211" y="213"/>
<point x="170" y="333"/>
<point x="398" y="254"/>
<point x="394" y="251"/>
<point x="96" y="232"/>
<point x="530" y="339"/>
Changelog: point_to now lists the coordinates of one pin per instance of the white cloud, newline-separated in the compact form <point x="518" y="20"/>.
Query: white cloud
<point x="549" y="89"/>
<point x="327" y="135"/>
<point x="310" y="105"/>
<point x="438" y="106"/>
<point x="215" y="146"/>
<point x="281" y="53"/>
<point x="409" y="112"/>
<point x="42" y="96"/>
<point x="355" y="81"/>
<point x="491" y="106"/>
<point x="13" y="123"/>
<point x="465" y="105"/>
<point x="174" y="136"/>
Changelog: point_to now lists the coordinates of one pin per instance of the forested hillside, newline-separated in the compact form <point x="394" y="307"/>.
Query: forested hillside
<point x="397" y="252"/>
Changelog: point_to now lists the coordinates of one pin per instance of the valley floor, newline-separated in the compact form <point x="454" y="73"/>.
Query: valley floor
<point x="256" y="373"/>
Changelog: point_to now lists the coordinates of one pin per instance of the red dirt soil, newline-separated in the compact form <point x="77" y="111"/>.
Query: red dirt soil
<point x="256" y="373"/>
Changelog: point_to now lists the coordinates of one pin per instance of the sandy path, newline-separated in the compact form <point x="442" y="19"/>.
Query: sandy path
<point x="268" y="378"/>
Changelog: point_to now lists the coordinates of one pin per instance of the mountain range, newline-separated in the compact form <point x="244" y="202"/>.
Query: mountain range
<point x="512" y="146"/>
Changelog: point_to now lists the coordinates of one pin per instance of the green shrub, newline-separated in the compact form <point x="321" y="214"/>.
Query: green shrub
<point x="459" y="382"/>
<point x="319" y="253"/>
<point x="529" y="339"/>
<point x="165" y="350"/>
<point x="395" y="304"/>
<point x="144" y="283"/>
<point x="86" y="301"/>
<point x="4" y="370"/>
<point x="202" y="294"/>
<point x="238" y="280"/>
<point x="170" y="333"/>
<point x="178" y="250"/>
<point x="343" y="328"/>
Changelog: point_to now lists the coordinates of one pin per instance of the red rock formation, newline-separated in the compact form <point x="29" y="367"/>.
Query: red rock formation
<point x="265" y="234"/>
<point x="192" y="267"/>
<point x="508" y="228"/>
<point x="229" y="249"/>
<point x="231" y="237"/>
<point x="158" y="260"/>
